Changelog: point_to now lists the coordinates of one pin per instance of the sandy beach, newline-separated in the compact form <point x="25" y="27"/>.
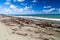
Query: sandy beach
<point x="19" y="28"/>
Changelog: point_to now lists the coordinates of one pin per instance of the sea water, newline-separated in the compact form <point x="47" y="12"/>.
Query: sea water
<point x="38" y="15"/>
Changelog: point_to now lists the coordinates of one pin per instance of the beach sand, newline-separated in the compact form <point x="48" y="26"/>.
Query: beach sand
<point x="17" y="28"/>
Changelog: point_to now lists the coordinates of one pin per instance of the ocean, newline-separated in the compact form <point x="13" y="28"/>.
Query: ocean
<point x="38" y="15"/>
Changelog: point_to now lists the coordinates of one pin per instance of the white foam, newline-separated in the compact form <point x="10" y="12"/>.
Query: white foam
<point x="53" y="19"/>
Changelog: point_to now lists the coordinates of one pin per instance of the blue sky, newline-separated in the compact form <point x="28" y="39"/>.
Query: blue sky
<point x="29" y="6"/>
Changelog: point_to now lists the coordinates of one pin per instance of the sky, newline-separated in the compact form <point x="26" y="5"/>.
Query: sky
<point x="29" y="6"/>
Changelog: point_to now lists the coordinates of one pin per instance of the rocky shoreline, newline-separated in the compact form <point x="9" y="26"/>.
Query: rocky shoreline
<point x="38" y="30"/>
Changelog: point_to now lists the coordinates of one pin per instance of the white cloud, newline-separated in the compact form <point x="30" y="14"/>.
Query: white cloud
<point x="16" y="10"/>
<point x="22" y="3"/>
<point x="34" y="1"/>
<point x="49" y="10"/>
<point x="7" y="2"/>
<point x="47" y="6"/>
<point x="12" y="6"/>
<point x="26" y="7"/>
<point x="32" y="10"/>
<point x="21" y="10"/>
<point x="21" y="0"/>
<point x="59" y="9"/>
<point x="6" y="11"/>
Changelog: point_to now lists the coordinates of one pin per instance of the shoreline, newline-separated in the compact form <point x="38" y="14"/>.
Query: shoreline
<point x="38" y="18"/>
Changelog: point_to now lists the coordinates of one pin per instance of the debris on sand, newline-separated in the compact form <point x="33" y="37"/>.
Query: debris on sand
<point x="39" y="30"/>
